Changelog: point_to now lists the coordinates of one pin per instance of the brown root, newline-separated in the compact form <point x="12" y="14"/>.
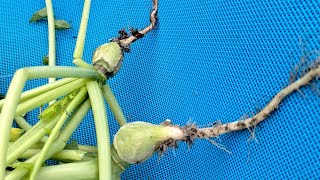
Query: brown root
<point x="124" y="40"/>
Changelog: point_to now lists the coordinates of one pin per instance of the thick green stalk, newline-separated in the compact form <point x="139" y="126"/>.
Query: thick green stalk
<point x="78" y="52"/>
<point x="38" y="145"/>
<point x="39" y="90"/>
<point x="51" y="36"/>
<point x="82" y="170"/>
<point x="60" y="142"/>
<point x="23" y="123"/>
<point x="7" y="115"/>
<point x="60" y="72"/>
<point x="26" y="126"/>
<point x="55" y="131"/>
<point x="15" y="134"/>
<point x="81" y="63"/>
<point x="91" y="149"/>
<point x="102" y="130"/>
<point x="29" y="138"/>
<point x="31" y="130"/>
<point x="73" y="155"/>
<point x="49" y="96"/>
<point x="114" y="105"/>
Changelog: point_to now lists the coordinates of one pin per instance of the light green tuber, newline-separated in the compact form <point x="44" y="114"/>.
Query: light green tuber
<point x="137" y="141"/>
<point x="107" y="58"/>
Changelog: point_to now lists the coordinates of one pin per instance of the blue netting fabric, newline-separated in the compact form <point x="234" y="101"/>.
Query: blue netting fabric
<point x="207" y="61"/>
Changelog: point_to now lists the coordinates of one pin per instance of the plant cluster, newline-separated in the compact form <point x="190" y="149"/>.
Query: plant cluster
<point x="24" y="150"/>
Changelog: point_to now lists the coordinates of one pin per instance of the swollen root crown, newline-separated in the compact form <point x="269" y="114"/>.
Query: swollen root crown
<point x="137" y="141"/>
<point x="107" y="59"/>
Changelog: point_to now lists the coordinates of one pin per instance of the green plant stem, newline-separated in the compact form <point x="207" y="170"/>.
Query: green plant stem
<point x="82" y="170"/>
<point x="87" y="158"/>
<point x="51" y="36"/>
<point x="74" y="155"/>
<point x="26" y="126"/>
<point x="91" y="149"/>
<point x="82" y="63"/>
<point x="7" y="115"/>
<point x="35" y="146"/>
<point x="15" y="134"/>
<point x="60" y="142"/>
<point x="23" y="123"/>
<point x="102" y="130"/>
<point x="49" y="96"/>
<point x="29" y="138"/>
<point x="14" y="92"/>
<point x="42" y="89"/>
<point x="55" y="131"/>
<point x="114" y="105"/>
<point x="78" y="52"/>
<point x="60" y="72"/>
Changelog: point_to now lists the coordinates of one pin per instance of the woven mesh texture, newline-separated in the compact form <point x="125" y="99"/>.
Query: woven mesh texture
<point x="206" y="61"/>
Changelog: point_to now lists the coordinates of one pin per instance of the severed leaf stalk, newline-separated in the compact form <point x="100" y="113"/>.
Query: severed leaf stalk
<point x="15" y="134"/>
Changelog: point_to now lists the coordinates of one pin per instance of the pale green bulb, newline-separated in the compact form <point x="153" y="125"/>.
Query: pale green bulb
<point x="137" y="141"/>
<point x="107" y="58"/>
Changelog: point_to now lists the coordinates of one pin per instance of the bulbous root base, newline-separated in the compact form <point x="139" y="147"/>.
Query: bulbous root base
<point x="190" y="132"/>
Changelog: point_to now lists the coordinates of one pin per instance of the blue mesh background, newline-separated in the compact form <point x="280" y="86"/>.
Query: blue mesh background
<point x="207" y="61"/>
